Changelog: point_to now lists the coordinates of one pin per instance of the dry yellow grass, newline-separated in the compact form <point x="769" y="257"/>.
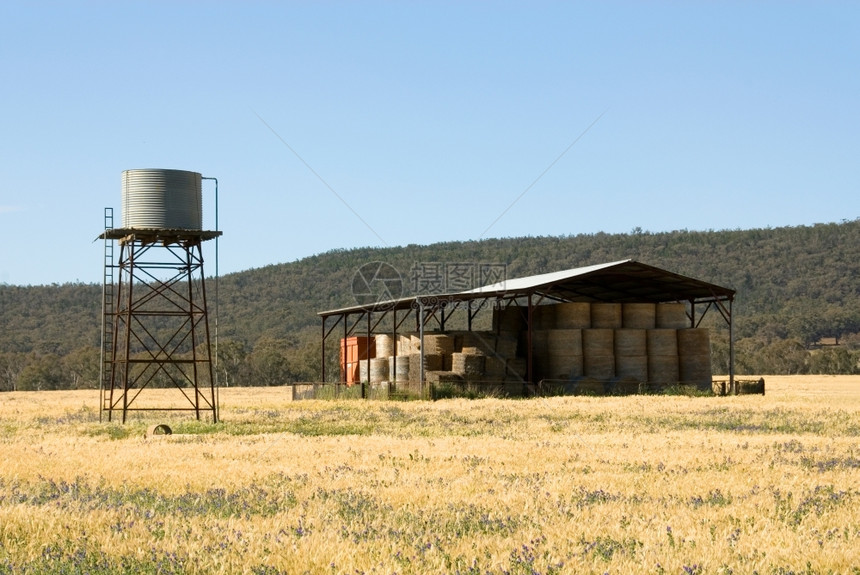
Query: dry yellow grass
<point x="558" y="485"/>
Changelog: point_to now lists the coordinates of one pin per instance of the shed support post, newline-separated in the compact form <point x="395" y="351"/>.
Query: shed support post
<point x="365" y="382"/>
<point x="322" y="346"/>
<point x="421" y="343"/>
<point x="344" y="363"/>
<point x="732" y="388"/>
<point x="529" y="370"/>
<point x="392" y="376"/>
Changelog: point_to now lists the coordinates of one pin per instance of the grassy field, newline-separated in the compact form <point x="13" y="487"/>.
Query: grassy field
<point x="644" y="484"/>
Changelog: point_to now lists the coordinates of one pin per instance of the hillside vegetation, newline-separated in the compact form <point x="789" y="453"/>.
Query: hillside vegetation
<point x="795" y="286"/>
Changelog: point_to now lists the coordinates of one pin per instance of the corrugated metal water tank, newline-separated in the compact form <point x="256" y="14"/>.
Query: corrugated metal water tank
<point x="162" y="199"/>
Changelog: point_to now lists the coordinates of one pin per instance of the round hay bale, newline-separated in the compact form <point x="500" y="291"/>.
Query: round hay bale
<point x="694" y="342"/>
<point x="564" y="342"/>
<point x="606" y="316"/>
<point x="599" y="366"/>
<point x="663" y="342"/>
<point x="598" y="342"/>
<point x="663" y="369"/>
<point x="638" y="315"/>
<point x="632" y="366"/>
<point x="378" y="369"/>
<point x="572" y="315"/>
<point x="384" y="345"/>
<point x="561" y="367"/>
<point x="630" y="342"/>
<point x="671" y="316"/>
<point x="398" y="368"/>
<point x="695" y="370"/>
<point x="159" y="429"/>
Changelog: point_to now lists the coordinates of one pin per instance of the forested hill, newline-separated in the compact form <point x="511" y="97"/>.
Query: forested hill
<point x="794" y="284"/>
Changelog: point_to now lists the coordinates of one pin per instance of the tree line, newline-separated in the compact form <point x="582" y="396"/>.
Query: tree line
<point x="796" y="286"/>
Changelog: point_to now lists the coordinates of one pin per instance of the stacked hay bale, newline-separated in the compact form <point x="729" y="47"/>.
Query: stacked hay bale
<point x="391" y="359"/>
<point x="672" y="316"/>
<point x="606" y="316"/>
<point x="598" y="344"/>
<point x="398" y="368"/>
<point x="557" y="354"/>
<point x="619" y="348"/>
<point x="598" y="353"/>
<point x="376" y="372"/>
<point x="663" y="366"/>
<point x="694" y="358"/>
<point x="639" y="315"/>
<point x="437" y="355"/>
<point x="631" y="350"/>
<point x="385" y="344"/>
<point x="590" y="348"/>
<point x="404" y="344"/>
<point x="662" y="358"/>
<point x="631" y="360"/>
<point x="557" y="340"/>
<point x="574" y="315"/>
<point x="488" y="361"/>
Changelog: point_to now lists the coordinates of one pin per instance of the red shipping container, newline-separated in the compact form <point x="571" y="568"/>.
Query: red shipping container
<point x="352" y="350"/>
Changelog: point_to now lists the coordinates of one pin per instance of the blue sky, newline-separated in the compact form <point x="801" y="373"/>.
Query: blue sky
<point x="346" y="124"/>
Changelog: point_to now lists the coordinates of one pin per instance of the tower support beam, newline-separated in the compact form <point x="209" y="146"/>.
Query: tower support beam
<point x="160" y="326"/>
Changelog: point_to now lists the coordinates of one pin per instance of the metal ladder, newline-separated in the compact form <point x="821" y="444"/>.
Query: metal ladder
<point x="108" y="318"/>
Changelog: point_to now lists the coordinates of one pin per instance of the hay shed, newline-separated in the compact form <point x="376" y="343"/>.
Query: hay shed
<point x="612" y="326"/>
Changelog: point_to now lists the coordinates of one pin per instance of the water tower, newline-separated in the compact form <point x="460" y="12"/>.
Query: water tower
<point x="155" y="322"/>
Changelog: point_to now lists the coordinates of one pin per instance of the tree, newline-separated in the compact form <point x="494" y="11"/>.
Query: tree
<point x="232" y="363"/>
<point x="43" y="372"/>
<point x="836" y="360"/>
<point x="11" y="365"/>
<point x="268" y="362"/>
<point x="784" y="357"/>
<point x="82" y="367"/>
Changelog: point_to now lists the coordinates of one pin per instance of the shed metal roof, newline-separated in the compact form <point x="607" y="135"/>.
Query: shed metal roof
<point x="624" y="281"/>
